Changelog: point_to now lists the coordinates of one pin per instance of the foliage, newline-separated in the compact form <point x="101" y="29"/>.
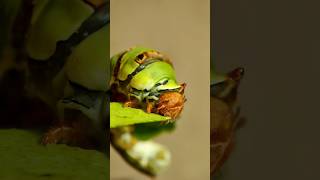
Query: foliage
<point x="23" y="157"/>
<point x="123" y="116"/>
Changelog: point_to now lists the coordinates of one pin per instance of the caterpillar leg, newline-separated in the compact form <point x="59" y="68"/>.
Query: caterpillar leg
<point x="133" y="103"/>
<point x="183" y="86"/>
<point x="150" y="106"/>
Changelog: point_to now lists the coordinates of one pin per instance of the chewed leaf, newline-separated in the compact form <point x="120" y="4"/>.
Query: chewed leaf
<point x="123" y="116"/>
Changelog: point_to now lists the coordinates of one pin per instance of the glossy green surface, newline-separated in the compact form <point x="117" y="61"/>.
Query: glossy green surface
<point x="155" y="76"/>
<point x="154" y="73"/>
<point x="128" y="63"/>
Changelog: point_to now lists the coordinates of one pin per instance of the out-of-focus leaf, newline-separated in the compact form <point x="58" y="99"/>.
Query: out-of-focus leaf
<point x="23" y="157"/>
<point x="123" y="116"/>
<point x="150" y="130"/>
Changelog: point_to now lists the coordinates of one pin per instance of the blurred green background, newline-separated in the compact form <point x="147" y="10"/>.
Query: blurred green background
<point x="22" y="156"/>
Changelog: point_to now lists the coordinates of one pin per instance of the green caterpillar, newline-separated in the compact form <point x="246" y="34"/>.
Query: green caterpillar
<point x="144" y="77"/>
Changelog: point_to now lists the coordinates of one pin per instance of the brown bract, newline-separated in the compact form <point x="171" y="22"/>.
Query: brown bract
<point x="170" y="104"/>
<point x="222" y="134"/>
<point x="225" y="119"/>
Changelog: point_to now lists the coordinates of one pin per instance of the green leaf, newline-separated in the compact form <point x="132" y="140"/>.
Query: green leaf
<point x="123" y="116"/>
<point x="23" y="157"/>
<point x="150" y="130"/>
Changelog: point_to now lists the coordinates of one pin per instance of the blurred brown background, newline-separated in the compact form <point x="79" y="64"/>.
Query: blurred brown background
<point x="180" y="29"/>
<point x="278" y="44"/>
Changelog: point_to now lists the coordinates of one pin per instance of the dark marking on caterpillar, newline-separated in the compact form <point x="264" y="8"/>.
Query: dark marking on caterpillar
<point x="141" y="67"/>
